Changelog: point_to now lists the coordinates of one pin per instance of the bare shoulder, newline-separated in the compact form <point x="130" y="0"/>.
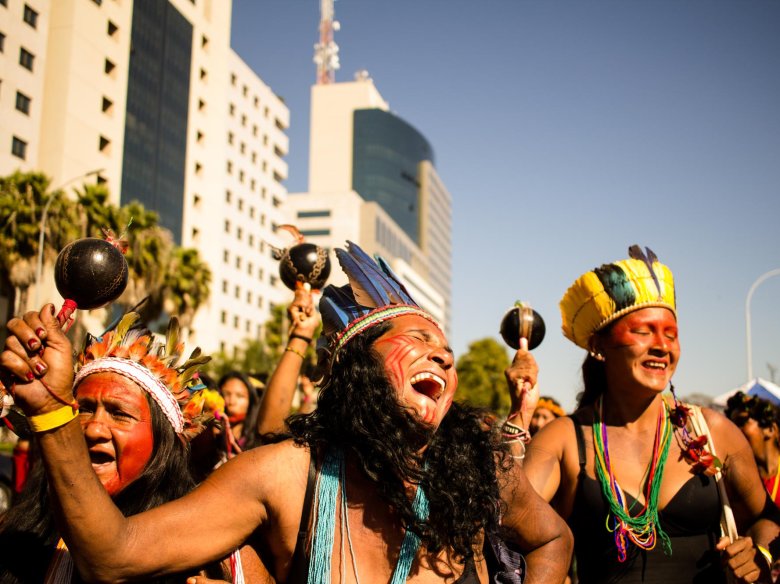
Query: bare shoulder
<point x="266" y="470"/>
<point x="727" y="436"/>
<point x="555" y="438"/>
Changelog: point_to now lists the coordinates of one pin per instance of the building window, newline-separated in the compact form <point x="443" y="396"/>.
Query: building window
<point x="237" y="292"/>
<point x="204" y="42"/>
<point x="233" y="79"/>
<point x="19" y="148"/>
<point x="238" y="262"/>
<point x="232" y="109"/>
<point x="228" y="196"/>
<point x="22" y="103"/>
<point x="249" y="297"/>
<point x="112" y="28"/>
<point x="224" y="286"/>
<point x="196" y="201"/>
<point x="308" y="214"/>
<point x="223" y="317"/>
<point x="26" y="58"/>
<point x="248" y="325"/>
<point x="315" y="232"/>
<point x="229" y="167"/>
<point x="203" y="74"/>
<point x="109" y="67"/>
<point x="201" y="105"/>
<point x="250" y="268"/>
<point x="227" y="226"/>
<point x="104" y="144"/>
<point x="226" y="256"/>
<point x="107" y="105"/>
<point x="251" y="240"/>
<point x="241" y="204"/>
<point x="235" y="322"/>
<point x="239" y="233"/>
<point x="30" y="16"/>
<point x="2" y="42"/>
<point x="230" y="137"/>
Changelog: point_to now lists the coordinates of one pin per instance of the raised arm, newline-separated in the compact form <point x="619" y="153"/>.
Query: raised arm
<point x="278" y="396"/>
<point x="105" y="545"/>
<point x="537" y="529"/>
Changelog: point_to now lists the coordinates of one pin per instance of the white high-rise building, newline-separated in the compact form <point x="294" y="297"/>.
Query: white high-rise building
<point x="151" y="94"/>
<point x="372" y="180"/>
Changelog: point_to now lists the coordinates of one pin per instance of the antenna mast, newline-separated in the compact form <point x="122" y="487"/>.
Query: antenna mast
<point x="326" y="52"/>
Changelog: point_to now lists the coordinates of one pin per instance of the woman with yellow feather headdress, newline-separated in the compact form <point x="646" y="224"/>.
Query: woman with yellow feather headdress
<point x="642" y="478"/>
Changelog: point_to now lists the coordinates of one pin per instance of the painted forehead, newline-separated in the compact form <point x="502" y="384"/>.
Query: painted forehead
<point x="411" y="323"/>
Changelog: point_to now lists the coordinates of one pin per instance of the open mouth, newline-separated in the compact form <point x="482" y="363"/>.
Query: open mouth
<point x="429" y="385"/>
<point x="100" y="458"/>
<point x="657" y="365"/>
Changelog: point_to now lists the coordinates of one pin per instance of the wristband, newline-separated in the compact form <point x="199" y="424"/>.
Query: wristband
<point x="51" y="420"/>
<point x="291" y="350"/>
<point x="301" y="337"/>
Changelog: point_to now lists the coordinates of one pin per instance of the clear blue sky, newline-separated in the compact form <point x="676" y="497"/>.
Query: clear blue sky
<point x="565" y="131"/>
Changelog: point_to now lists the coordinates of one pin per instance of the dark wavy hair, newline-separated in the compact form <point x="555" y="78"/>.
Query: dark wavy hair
<point x="359" y="413"/>
<point x="28" y="534"/>
<point x="249" y="429"/>
<point x="741" y="406"/>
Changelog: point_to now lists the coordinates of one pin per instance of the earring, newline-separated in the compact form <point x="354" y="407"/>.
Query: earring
<point x="598" y="356"/>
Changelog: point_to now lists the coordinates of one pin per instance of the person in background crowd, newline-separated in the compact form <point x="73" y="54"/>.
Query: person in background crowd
<point x="757" y="418"/>
<point x="242" y="405"/>
<point x="547" y="409"/>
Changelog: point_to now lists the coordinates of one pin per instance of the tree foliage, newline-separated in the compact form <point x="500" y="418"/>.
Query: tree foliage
<point x="170" y="276"/>
<point x="481" y="379"/>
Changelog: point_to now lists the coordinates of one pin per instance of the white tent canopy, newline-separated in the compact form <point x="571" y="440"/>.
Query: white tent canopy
<point x="757" y="387"/>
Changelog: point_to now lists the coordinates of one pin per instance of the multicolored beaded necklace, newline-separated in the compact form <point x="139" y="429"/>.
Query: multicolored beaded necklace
<point x="644" y="528"/>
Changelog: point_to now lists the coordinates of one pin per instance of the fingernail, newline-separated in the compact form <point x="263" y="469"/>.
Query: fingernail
<point x="41" y="332"/>
<point x="32" y="343"/>
<point x="29" y="375"/>
<point x="40" y="368"/>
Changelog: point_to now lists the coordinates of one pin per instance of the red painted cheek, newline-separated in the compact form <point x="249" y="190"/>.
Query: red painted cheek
<point x="135" y="454"/>
<point x="399" y="350"/>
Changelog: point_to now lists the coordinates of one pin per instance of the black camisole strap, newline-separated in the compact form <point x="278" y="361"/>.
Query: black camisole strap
<point x="299" y="566"/>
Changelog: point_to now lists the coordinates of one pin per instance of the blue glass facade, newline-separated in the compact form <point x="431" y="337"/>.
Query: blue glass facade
<point x="385" y="165"/>
<point x="158" y="90"/>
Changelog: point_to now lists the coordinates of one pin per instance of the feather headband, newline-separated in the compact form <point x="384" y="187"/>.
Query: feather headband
<point x="374" y="295"/>
<point x="549" y="404"/>
<point x="133" y="353"/>
<point x="606" y="293"/>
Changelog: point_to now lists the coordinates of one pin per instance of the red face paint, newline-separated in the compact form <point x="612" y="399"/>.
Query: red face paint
<point x="642" y="349"/>
<point x="420" y="366"/>
<point x="116" y="421"/>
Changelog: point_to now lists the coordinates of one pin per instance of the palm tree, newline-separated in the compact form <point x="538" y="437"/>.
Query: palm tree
<point x="187" y="285"/>
<point x="23" y="197"/>
<point x="95" y="211"/>
<point x="148" y="255"/>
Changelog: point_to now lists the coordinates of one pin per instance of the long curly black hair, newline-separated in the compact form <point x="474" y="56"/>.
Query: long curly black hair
<point x="359" y="413"/>
<point x="28" y="534"/>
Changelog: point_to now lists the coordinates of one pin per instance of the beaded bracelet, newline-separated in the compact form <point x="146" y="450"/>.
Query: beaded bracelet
<point x="291" y="350"/>
<point x="512" y="432"/>
<point x="300" y="337"/>
<point x="51" y="420"/>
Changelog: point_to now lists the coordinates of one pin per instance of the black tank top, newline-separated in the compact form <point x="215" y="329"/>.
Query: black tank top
<point x="690" y="519"/>
<point x="299" y="568"/>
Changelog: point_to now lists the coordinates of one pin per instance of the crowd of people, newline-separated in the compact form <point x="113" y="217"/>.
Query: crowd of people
<point x="144" y="469"/>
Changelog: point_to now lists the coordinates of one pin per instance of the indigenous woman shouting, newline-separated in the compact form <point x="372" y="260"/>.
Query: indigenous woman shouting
<point x="631" y="470"/>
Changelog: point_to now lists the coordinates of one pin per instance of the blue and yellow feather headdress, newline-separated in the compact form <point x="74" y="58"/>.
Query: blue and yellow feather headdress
<point x="374" y="294"/>
<point x="606" y="293"/>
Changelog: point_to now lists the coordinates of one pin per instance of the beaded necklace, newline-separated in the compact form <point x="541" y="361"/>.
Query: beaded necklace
<point x="643" y="528"/>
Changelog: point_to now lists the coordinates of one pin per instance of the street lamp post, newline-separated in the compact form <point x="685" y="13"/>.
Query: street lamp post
<point x="42" y="229"/>
<point x="756" y="284"/>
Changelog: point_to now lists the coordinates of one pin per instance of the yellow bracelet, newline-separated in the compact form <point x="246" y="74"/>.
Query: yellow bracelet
<point x="767" y="555"/>
<point x="52" y="420"/>
<point x="296" y="352"/>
